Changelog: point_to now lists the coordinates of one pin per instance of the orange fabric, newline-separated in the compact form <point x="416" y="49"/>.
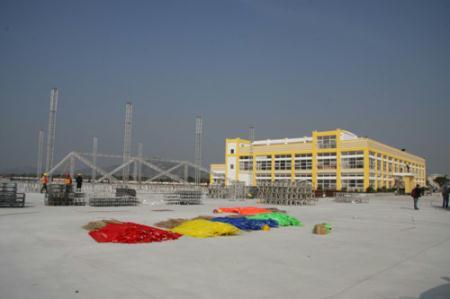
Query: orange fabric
<point x="68" y="181"/>
<point x="243" y="210"/>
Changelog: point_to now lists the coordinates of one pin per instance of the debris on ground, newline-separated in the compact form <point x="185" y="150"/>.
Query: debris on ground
<point x="322" y="229"/>
<point x="201" y="228"/>
<point x="129" y="232"/>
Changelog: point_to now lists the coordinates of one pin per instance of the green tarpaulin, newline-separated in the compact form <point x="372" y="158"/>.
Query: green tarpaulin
<point x="282" y="219"/>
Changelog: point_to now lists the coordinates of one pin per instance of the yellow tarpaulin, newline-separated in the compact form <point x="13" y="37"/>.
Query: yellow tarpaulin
<point x="204" y="229"/>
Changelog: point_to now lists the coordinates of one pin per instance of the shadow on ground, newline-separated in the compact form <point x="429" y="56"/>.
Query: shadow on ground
<point x="439" y="292"/>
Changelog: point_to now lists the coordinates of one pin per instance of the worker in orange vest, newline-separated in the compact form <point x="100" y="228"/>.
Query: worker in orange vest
<point x="44" y="182"/>
<point x="68" y="183"/>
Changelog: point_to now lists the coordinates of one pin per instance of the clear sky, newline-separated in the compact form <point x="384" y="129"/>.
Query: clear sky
<point x="376" y="68"/>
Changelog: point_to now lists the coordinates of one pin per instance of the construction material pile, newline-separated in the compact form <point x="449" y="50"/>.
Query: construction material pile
<point x="286" y="193"/>
<point x="123" y="201"/>
<point x="184" y="197"/>
<point x="235" y="190"/>
<point x="9" y="196"/>
<point x="123" y="197"/>
<point x="60" y="195"/>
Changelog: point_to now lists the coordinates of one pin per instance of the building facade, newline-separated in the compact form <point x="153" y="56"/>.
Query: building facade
<point x="330" y="160"/>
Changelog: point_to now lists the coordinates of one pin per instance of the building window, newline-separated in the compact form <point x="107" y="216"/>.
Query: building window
<point x="231" y="166"/>
<point x="353" y="184"/>
<point x="357" y="162"/>
<point x="246" y="163"/>
<point x="326" y="184"/>
<point x="371" y="163"/>
<point x="303" y="162"/>
<point x="326" y="161"/>
<point x="283" y="162"/>
<point x="232" y="151"/>
<point x="264" y="163"/>
<point x="326" y="141"/>
<point x="282" y="177"/>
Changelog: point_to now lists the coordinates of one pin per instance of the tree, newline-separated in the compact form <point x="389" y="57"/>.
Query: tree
<point x="441" y="180"/>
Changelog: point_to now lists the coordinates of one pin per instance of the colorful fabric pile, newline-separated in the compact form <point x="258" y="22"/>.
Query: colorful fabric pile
<point x="243" y="210"/>
<point x="174" y="222"/>
<point x="244" y="223"/>
<point x="280" y="218"/>
<point x="128" y="232"/>
<point x="244" y="218"/>
<point x="201" y="228"/>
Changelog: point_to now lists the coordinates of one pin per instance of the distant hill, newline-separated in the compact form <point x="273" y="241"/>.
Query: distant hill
<point x="19" y="170"/>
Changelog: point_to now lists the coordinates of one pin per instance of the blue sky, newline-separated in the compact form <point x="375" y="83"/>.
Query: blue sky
<point x="377" y="68"/>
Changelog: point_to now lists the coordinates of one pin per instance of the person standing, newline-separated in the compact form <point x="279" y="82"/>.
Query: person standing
<point x="68" y="183"/>
<point x="416" y="193"/>
<point x="445" y="195"/>
<point x="79" y="181"/>
<point x="44" y="182"/>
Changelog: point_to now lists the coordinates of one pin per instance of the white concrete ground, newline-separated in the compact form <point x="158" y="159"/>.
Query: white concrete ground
<point x="383" y="249"/>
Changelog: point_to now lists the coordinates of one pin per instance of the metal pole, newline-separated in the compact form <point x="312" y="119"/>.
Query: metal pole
<point x="139" y="165"/>
<point x="186" y="172"/>
<point x="251" y="135"/>
<point x="40" y="154"/>
<point x="51" y="129"/>
<point x="198" y="147"/>
<point x="72" y="166"/>
<point x="127" y="140"/>
<point x="94" y="158"/>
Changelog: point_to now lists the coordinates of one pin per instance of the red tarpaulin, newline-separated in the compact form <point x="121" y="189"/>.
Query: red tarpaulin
<point x="128" y="232"/>
<point x="243" y="210"/>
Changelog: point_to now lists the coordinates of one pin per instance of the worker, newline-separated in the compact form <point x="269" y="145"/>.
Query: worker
<point x="415" y="194"/>
<point x="79" y="181"/>
<point x="68" y="183"/>
<point x="44" y="182"/>
<point x="445" y="195"/>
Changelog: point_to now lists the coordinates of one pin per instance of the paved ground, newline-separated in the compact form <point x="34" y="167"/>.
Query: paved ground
<point x="383" y="249"/>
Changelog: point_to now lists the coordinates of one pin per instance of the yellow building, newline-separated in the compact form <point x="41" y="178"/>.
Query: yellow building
<point x="331" y="160"/>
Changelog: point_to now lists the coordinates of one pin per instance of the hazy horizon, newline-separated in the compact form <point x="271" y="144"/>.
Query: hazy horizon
<point x="378" y="69"/>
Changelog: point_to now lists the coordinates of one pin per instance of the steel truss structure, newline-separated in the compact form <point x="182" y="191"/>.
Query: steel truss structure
<point x="138" y="162"/>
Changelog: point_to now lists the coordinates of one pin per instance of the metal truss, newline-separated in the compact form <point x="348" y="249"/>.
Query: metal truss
<point x="140" y="161"/>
